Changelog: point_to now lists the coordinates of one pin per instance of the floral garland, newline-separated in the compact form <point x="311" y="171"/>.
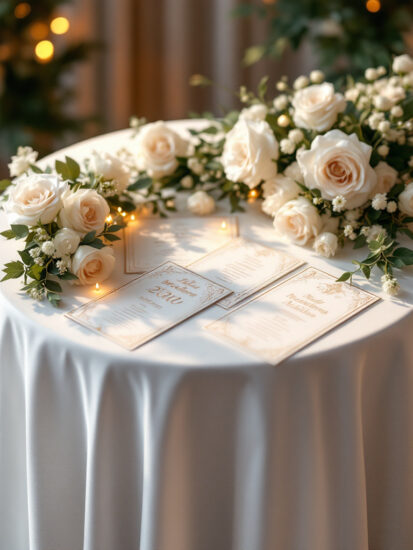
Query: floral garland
<point x="330" y="167"/>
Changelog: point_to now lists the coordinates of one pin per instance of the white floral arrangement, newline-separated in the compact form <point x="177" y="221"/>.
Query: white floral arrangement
<point x="330" y="167"/>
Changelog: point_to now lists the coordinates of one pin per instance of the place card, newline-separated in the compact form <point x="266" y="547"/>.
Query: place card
<point x="148" y="306"/>
<point x="152" y="241"/>
<point x="290" y="315"/>
<point x="245" y="267"/>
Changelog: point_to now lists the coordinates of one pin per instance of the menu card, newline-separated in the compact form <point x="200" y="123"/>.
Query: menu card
<point x="290" y="315"/>
<point x="245" y="267"/>
<point x="152" y="241"/>
<point x="148" y="306"/>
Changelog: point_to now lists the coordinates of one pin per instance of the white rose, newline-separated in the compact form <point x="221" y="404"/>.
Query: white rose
<point x="339" y="165"/>
<point x="293" y="171"/>
<point x="255" y="112"/>
<point x="277" y="192"/>
<point x="326" y="244"/>
<point x="298" y="220"/>
<point x="20" y="163"/>
<point x="158" y="147"/>
<point x="406" y="200"/>
<point x="201" y="204"/>
<point x="386" y="178"/>
<point x="317" y="107"/>
<point x="92" y="265"/>
<point x="403" y="64"/>
<point x="111" y="168"/>
<point x="249" y="152"/>
<point x="84" y="210"/>
<point x="65" y="242"/>
<point x="34" y="198"/>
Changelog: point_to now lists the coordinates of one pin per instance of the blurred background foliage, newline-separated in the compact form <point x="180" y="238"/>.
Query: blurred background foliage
<point x="36" y="53"/>
<point x="347" y="36"/>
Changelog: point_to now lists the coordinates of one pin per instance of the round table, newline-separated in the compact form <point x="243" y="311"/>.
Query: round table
<point x="188" y="444"/>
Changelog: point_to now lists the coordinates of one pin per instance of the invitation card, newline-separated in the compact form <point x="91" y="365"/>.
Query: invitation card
<point x="290" y="315"/>
<point x="152" y="241"/>
<point x="244" y="267"/>
<point x="148" y="306"/>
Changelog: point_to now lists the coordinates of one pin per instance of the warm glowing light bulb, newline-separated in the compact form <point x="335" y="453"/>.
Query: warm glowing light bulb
<point x="38" y="30"/>
<point x="44" y="51"/>
<point x="373" y="6"/>
<point x="109" y="219"/>
<point x="119" y="209"/>
<point x="60" y="25"/>
<point x="224" y="225"/>
<point x="97" y="286"/>
<point x="123" y="214"/>
<point x="22" y="10"/>
<point x="133" y="217"/>
<point x="253" y="194"/>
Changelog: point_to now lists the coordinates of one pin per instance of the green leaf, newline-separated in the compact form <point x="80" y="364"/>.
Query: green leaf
<point x="366" y="271"/>
<point x="110" y="237"/>
<point x="13" y="270"/>
<point x="8" y="234"/>
<point x="142" y="182"/>
<point x="36" y="169"/>
<point x="68" y="276"/>
<point x="73" y="168"/>
<point x="54" y="298"/>
<point x="262" y="87"/>
<point x="253" y="54"/>
<point x="62" y="169"/>
<point x="25" y="256"/>
<point x="35" y="271"/>
<point x="96" y="243"/>
<point x="404" y="254"/>
<point x="88" y="238"/>
<point x="360" y="242"/>
<point x="53" y="286"/>
<point x="4" y="184"/>
<point x="20" y="231"/>
<point x="344" y="277"/>
<point x="113" y="228"/>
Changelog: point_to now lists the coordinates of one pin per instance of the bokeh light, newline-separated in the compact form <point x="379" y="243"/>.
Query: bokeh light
<point x="22" y="10"/>
<point x="60" y="25"/>
<point x="373" y="6"/>
<point x="38" y="30"/>
<point x="44" y="51"/>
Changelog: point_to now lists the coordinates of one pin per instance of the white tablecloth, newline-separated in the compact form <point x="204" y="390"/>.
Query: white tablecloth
<point x="188" y="444"/>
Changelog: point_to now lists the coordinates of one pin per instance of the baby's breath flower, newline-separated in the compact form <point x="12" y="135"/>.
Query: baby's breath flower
<point x="390" y="285"/>
<point x="41" y="234"/>
<point x="281" y="102"/>
<point x="39" y="260"/>
<point x="379" y="201"/>
<point x="339" y="203"/>
<point x="296" y="136"/>
<point x="48" y="248"/>
<point x="187" y="182"/>
<point x="353" y="215"/>
<point x="381" y="71"/>
<point x="391" y="207"/>
<point x="374" y="231"/>
<point x="384" y="126"/>
<point x="282" y="86"/>
<point x="63" y="264"/>
<point x="348" y="230"/>
<point x="371" y="74"/>
<point x="317" y="76"/>
<point x="301" y="82"/>
<point x="396" y="111"/>
<point x="36" y="293"/>
<point x="195" y="166"/>
<point x="287" y="146"/>
<point x="35" y="252"/>
<point x="317" y="200"/>
<point x="383" y="150"/>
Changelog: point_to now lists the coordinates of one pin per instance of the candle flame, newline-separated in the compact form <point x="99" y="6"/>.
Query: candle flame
<point x="223" y="224"/>
<point x="133" y="217"/>
<point x="97" y="286"/>
<point x="109" y="219"/>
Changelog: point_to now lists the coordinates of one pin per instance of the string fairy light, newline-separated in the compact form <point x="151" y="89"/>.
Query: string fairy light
<point x="59" y="25"/>
<point x="109" y="219"/>
<point x="223" y="224"/>
<point x="252" y="195"/>
<point x="22" y="10"/>
<point x="373" y="6"/>
<point x="97" y="287"/>
<point x="44" y="51"/>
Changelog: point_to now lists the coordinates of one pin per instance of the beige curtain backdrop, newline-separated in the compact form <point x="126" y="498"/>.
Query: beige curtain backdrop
<point x="152" y="47"/>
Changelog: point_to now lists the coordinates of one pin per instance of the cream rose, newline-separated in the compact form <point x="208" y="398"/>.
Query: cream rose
<point x="317" y="107"/>
<point x="158" y="147"/>
<point x="277" y="192"/>
<point x="249" y="152"/>
<point x="34" y="198"/>
<point x="92" y="265"/>
<point x="406" y="200"/>
<point x="84" y="210"/>
<point x="386" y="178"/>
<point x="201" y="204"/>
<point x="403" y="64"/>
<point x="298" y="220"/>
<point x="293" y="171"/>
<point x="65" y="242"/>
<point x="111" y="168"/>
<point x="339" y="164"/>
<point x="326" y="244"/>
